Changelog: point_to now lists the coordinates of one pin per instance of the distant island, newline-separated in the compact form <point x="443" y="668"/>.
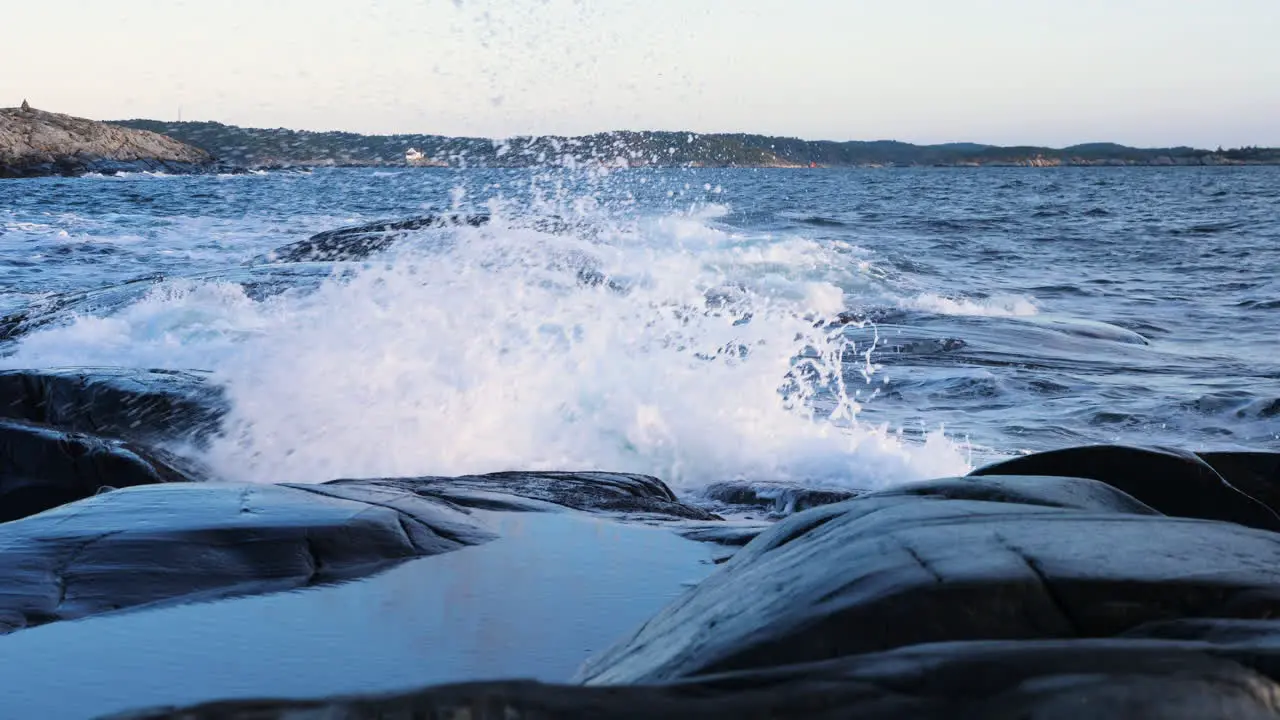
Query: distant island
<point x="279" y="148"/>
<point x="35" y="143"/>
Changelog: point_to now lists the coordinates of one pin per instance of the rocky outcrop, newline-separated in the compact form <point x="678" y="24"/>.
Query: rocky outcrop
<point x="35" y="143"/>
<point x="621" y="495"/>
<point x="993" y="595"/>
<point x="362" y="241"/>
<point x="43" y="467"/>
<point x="258" y="282"/>
<point x="171" y="543"/>
<point x="1173" y="482"/>
<point x="135" y="404"/>
<point x="1010" y="559"/>
<point x="775" y="499"/>
<point x="201" y="540"/>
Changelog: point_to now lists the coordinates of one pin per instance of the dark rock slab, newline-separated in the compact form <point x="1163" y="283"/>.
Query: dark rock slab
<point x="198" y="541"/>
<point x="1171" y="481"/>
<point x="43" y="467"/>
<point x="1101" y="680"/>
<point x="623" y="494"/>
<point x="1256" y="473"/>
<point x="775" y="498"/>
<point x="363" y="241"/>
<point x="259" y="282"/>
<point x="1059" y="492"/>
<point x="888" y="571"/>
<point x="147" y="405"/>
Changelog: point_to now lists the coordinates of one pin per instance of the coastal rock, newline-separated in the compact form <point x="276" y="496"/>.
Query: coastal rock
<point x="362" y="241"/>
<point x="1256" y="473"/>
<point x="1053" y="559"/>
<point x="258" y="283"/>
<point x="1060" y="492"/>
<point x="1171" y="481"/>
<point x="622" y="495"/>
<point x="199" y="541"/>
<point x="774" y="498"/>
<point x="43" y="467"/>
<point x="1113" y="681"/>
<point x="138" y="404"/>
<point x="34" y="143"/>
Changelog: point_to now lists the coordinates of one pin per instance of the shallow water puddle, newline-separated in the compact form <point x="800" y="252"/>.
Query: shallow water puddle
<point x="534" y="604"/>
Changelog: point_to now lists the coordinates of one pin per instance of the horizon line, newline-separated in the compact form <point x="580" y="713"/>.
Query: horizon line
<point x="695" y="132"/>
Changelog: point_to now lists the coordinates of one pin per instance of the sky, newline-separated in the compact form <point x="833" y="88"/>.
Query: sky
<point x="1045" y="72"/>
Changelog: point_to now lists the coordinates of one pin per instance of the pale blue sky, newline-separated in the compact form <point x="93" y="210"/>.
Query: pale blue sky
<point x="1146" y="72"/>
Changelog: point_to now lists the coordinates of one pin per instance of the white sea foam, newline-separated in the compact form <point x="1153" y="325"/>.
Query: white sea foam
<point x="995" y="306"/>
<point x="482" y="349"/>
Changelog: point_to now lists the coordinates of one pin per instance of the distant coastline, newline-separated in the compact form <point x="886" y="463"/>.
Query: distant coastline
<point x="283" y="148"/>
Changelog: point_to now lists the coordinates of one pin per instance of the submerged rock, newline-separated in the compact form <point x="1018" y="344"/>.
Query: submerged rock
<point x="619" y="494"/>
<point x="198" y="541"/>
<point x="146" y="405"/>
<point x="362" y="241"/>
<point x="1171" y="481"/>
<point x="35" y="142"/>
<point x="1030" y="558"/>
<point x="43" y="467"/>
<point x="258" y="283"/>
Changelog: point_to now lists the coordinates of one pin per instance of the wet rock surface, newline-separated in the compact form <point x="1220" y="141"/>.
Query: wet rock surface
<point x="200" y="540"/>
<point x="1174" y="482"/>
<point x="147" y="405"/>
<point x="620" y="494"/>
<point x="362" y="241"/>
<point x="179" y="542"/>
<point x="775" y="498"/>
<point x="43" y="467"/>
<point x="1025" y="558"/>
<point x="258" y="282"/>
<point x="1097" y="582"/>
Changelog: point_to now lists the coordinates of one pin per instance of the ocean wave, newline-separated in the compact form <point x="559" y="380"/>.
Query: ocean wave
<point x="487" y="352"/>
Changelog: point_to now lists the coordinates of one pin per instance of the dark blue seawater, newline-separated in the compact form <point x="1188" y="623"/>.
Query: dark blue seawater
<point x="854" y="327"/>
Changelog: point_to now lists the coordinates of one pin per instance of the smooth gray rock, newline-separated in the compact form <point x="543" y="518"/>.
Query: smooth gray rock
<point x="1173" y="482"/>
<point x="892" y="570"/>
<point x="1101" y="680"/>
<point x="1060" y="492"/>
<point x="621" y="494"/>
<point x="197" y="541"/>
<point x="35" y="142"/>
<point x="43" y="467"/>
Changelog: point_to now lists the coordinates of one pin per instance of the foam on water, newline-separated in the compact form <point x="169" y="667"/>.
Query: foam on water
<point x="995" y="306"/>
<point x="473" y="350"/>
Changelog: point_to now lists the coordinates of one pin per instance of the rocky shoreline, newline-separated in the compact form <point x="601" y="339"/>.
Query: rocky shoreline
<point x="1131" y="581"/>
<point x="1110" y="581"/>
<point x="36" y="143"/>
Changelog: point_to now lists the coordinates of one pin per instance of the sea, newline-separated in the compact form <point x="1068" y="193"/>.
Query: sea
<point x="848" y="328"/>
